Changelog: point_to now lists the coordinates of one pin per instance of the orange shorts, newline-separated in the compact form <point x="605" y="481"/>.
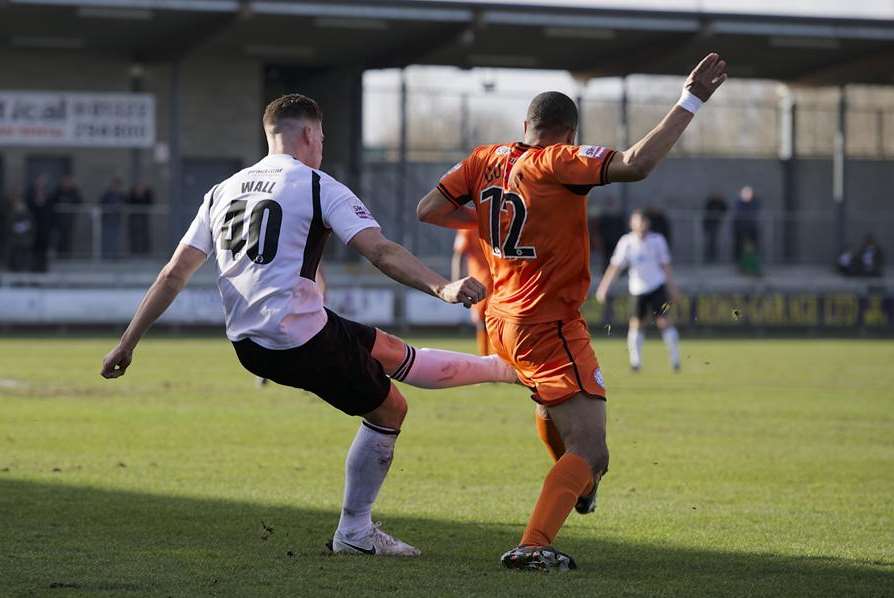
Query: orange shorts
<point x="554" y="359"/>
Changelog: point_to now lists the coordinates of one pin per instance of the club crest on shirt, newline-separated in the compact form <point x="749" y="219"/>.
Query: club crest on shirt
<point x="597" y="376"/>
<point x="591" y="151"/>
<point x="503" y="150"/>
<point x="362" y="212"/>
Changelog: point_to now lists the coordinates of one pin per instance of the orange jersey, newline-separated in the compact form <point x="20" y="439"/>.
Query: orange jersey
<point x="468" y="244"/>
<point x="532" y="219"/>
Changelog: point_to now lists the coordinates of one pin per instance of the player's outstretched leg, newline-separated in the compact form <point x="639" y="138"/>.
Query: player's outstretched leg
<point x="635" y="338"/>
<point x="581" y="423"/>
<point x="366" y="466"/>
<point x="435" y="368"/>
<point x="671" y="339"/>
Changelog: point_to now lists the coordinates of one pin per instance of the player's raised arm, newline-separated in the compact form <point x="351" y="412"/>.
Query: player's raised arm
<point x="171" y="280"/>
<point x="450" y="203"/>
<point x="435" y="208"/>
<point x="399" y="264"/>
<point x="637" y="162"/>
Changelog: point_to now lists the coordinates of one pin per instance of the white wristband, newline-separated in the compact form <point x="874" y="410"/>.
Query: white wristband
<point x="689" y="102"/>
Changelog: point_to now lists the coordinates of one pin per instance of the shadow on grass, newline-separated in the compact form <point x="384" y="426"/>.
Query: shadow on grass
<point x="64" y="540"/>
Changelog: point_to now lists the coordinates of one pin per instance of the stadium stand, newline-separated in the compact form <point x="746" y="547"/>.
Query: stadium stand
<point x="170" y="94"/>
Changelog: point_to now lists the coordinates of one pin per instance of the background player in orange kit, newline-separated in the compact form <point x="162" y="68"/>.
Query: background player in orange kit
<point x="528" y="202"/>
<point x="467" y="248"/>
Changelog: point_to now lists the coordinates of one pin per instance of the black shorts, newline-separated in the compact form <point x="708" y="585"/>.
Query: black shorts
<point x="654" y="303"/>
<point x="337" y="365"/>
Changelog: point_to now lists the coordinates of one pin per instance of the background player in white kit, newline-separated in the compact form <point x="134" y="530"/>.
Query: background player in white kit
<point x="651" y="285"/>
<point x="266" y="227"/>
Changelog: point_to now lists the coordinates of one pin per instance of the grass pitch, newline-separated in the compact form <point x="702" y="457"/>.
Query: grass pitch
<point x="765" y="469"/>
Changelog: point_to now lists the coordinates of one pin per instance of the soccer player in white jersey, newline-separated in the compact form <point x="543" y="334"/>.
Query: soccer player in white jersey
<point x="266" y="227"/>
<point x="651" y="285"/>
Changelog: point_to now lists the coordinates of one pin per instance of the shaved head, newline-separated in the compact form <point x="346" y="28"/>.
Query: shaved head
<point x="552" y="112"/>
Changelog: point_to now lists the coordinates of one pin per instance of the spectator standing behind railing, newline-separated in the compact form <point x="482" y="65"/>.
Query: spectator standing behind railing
<point x="40" y="204"/>
<point x="871" y="259"/>
<point x="746" y="216"/>
<point x="140" y="199"/>
<point x="715" y="210"/>
<point x="867" y="260"/>
<point x="18" y="234"/>
<point x="64" y="198"/>
<point x="112" y="201"/>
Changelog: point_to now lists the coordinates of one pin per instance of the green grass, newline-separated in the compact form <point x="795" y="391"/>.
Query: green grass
<point x="765" y="469"/>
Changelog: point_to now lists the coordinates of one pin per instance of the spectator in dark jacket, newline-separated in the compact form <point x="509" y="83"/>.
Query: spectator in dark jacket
<point x="40" y="204"/>
<point x="140" y="199"/>
<point x="66" y="197"/>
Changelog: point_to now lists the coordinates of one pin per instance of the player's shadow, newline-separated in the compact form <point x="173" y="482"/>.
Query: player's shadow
<point x="57" y="539"/>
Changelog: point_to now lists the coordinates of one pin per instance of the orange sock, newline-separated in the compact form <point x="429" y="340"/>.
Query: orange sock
<point x="483" y="341"/>
<point x="564" y="483"/>
<point x="549" y="434"/>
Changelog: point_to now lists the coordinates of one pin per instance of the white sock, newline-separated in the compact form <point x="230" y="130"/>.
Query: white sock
<point x="366" y="466"/>
<point x="635" y="338"/>
<point x="672" y="339"/>
<point x="434" y="368"/>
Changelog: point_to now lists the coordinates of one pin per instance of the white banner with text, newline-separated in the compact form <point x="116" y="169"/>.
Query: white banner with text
<point x="70" y="119"/>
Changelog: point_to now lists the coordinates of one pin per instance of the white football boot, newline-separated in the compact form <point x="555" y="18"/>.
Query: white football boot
<point x="376" y="542"/>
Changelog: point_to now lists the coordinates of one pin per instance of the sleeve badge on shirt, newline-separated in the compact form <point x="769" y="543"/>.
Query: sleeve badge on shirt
<point x="597" y="376"/>
<point x="503" y="150"/>
<point x="362" y="212"/>
<point x="591" y="151"/>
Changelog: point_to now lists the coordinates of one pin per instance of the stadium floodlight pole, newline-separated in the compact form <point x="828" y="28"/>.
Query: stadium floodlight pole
<point x="401" y="308"/>
<point x="788" y="157"/>
<point x="624" y="134"/>
<point x="839" y="170"/>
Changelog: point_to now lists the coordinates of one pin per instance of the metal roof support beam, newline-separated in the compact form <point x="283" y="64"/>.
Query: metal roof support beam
<point x="577" y="21"/>
<point x="360" y="11"/>
<point x="874" y="60"/>
<point x="191" y="5"/>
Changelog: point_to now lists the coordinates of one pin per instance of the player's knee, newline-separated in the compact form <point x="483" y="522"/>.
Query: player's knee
<point x="391" y="412"/>
<point x="593" y="451"/>
<point x="634" y="323"/>
<point x="396" y="406"/>
<point x="389" y="350"/>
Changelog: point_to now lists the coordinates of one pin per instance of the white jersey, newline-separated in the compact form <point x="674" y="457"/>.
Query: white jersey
<point x="266" y="226"/>
<point x="645" y="257"/>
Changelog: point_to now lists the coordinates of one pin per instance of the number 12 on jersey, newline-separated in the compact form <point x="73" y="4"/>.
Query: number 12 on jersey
<point x="500" y="200"/>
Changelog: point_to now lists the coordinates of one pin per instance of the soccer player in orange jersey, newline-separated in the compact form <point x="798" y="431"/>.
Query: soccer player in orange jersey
<point x="528" y="201"/>
<point x="467" y="248"/>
